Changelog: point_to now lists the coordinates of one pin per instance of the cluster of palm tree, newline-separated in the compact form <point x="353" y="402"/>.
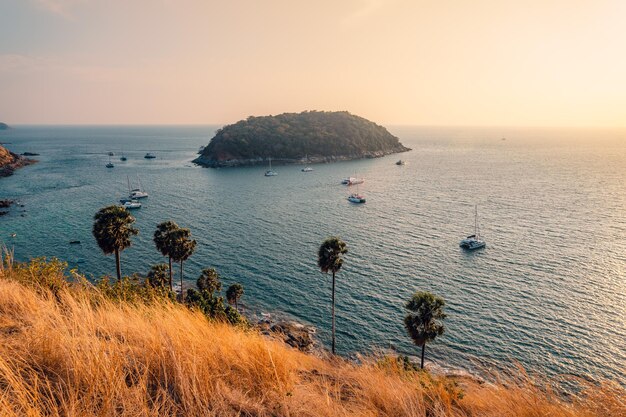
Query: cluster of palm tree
<point x="174" y="242"/>
<point x="424" y="321"/>
<point x="113" y="230"/>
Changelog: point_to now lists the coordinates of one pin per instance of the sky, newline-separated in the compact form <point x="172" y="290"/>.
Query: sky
<point x="395" y="62"/>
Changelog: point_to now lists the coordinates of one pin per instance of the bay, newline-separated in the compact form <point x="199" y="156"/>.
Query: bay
<point x="548" y="291"/>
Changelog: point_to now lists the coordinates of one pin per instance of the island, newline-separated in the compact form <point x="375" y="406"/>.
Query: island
<point x="10" y="161"/>
<point x="4" y="126"/>
<point x="307" y="137"/>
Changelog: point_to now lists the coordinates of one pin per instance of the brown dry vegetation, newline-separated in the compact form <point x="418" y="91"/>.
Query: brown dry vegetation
<point x="69" y="350"/>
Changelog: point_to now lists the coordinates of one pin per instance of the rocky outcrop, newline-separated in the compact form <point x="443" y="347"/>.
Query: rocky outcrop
<point x="294" y="334"/>
<point x="4" y="126"/>
<point x="10" y="161"/>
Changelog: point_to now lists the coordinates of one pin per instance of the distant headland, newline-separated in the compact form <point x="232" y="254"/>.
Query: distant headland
<point x="307" y="137"/>
<point x="4" y="126"/>
<point x="10" y="161"/>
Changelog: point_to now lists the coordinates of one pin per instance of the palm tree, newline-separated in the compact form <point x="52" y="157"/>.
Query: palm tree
<point x="329" y="260"/>
<point x="424" y="322"/>
<point x="157" y="276"/>
<point x="233" y="294"/>
<point x="163" y="241"/>
<point x="209" y="281"/>
<point x="112" y="230"/>
<point x="183" y="248"/>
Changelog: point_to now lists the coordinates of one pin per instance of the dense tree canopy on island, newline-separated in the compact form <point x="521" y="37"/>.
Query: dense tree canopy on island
<point x="292" y="137"/>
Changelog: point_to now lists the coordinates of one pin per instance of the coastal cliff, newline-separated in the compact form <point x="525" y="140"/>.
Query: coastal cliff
<point x="307" y="137"/>
<point x="10" y="161"/>
<point x="4" y="126"/>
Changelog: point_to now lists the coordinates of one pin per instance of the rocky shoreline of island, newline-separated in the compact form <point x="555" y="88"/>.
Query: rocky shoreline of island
<point x="225" y="162"/>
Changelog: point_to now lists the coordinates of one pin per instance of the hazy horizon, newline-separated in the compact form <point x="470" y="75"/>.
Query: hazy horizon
<point x="542" y="64"/>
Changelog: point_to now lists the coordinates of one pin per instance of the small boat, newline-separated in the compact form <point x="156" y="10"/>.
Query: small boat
<point x="111" y="154"/>
<point x="473" y="241"/>
<point x="74" y="242"/>
<point x="149" y="156"/>
<point x="352" y="180"/>
<point x="123" y="157"/>
<point x="401" y="162"/>
<point x="131" y="205"/>
<point x="356" y="198"/>
<point x="269" y="172"/>
<point x="110" y="164"/>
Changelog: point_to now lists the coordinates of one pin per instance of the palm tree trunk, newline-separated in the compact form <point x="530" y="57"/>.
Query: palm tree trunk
<point x="333" y="312"/>
<point x="423" y="349"/>
<point x="171" y="286"/>
<point x="118" y="265"/>
<point x="182" y="293"/>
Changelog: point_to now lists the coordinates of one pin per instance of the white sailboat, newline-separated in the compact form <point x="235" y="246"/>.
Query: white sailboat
<point x="136" y="193"/>
<point x="307" y="168"/>
<point x="110" y="164"/>
<point x="473" y="241"/>
<point x="269" y="172"/>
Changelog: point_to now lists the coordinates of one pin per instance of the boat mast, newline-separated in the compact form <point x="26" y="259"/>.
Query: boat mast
<point x="476" y="221"/>
<point x="140" y="184"/>
<point x="128" y="179"/>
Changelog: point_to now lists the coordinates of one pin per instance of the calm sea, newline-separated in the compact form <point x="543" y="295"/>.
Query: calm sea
<point x="549" y="290"/>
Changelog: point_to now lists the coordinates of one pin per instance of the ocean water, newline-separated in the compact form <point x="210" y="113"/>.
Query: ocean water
<point x="548" y="291"/>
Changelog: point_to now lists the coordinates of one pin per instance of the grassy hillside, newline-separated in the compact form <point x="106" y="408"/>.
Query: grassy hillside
<point x="71" y="350"/>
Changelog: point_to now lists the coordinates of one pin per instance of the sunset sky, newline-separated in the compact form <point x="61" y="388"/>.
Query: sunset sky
<point x="479" y="62"/>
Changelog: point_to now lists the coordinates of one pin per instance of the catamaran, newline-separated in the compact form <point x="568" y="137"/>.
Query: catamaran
<point x="136" y="193"/>
<point x="473" y="241"/>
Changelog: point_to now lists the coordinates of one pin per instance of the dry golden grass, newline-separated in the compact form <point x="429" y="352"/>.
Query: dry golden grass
<point x="72" y="352"/>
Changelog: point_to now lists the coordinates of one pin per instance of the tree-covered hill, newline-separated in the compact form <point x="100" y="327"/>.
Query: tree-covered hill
<point x="295" y="137"/>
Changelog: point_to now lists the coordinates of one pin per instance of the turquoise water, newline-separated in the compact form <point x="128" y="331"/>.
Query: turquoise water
<point x="549" y="290"/>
